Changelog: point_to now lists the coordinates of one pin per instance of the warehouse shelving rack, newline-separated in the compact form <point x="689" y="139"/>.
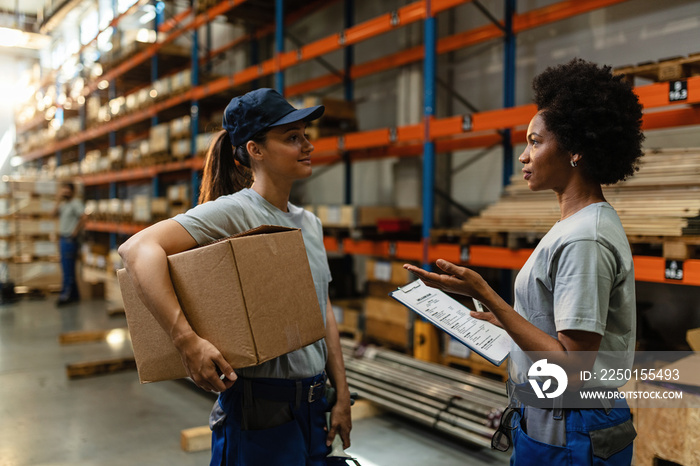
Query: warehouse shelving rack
<point x="433" y="135"/>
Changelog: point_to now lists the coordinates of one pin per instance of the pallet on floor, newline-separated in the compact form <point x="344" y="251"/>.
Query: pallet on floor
<point x="90" y="336"/>
<point x="92" y="368"/>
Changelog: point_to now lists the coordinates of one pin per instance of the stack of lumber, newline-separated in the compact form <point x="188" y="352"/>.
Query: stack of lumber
<point x="662" y="199"/>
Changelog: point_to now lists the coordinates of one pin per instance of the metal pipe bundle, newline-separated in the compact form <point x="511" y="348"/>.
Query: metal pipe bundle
<point x="463" y="405"/>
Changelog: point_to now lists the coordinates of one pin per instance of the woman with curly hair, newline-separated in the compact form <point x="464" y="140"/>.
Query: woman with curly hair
<point x="574" y="297"/>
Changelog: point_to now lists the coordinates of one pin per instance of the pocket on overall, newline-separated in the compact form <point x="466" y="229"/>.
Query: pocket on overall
<point x="259" y="414"/>
<point x="527" y="450"/>
<point x="613" y="445"/>
<point x="278" y="445"/>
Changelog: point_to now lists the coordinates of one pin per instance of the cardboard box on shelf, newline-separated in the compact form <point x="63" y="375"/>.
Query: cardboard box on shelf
<point x="386" y="309"/>
<point x="34" y="227"/>
<point x="387" y="271"/>
<point x="159" y="208"/>
<point x="251" y="295"/>
<point x="159" y="138"/>
<point x="141" y="205"/>
<point x="33" y="206"/>
<point x="179" y="193"/>
<point x="37" y="274"/>
<point x="336" y="215"/>
<point x="386" y="321"/>
<point x="386" y="332"/>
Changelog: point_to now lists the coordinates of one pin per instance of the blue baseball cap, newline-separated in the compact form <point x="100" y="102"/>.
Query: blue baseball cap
<point x="248" y="114"/>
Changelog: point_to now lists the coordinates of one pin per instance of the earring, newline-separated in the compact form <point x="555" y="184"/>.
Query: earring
<point x="574" y="164"/>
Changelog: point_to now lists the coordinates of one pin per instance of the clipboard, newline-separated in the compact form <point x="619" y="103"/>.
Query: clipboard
<point x="487" y="340"/>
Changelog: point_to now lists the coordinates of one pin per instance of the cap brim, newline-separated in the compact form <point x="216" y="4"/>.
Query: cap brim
<point x="304" y="114"/>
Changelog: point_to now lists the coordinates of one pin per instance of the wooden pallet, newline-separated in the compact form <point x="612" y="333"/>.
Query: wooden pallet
<point x="668" y="69"/>
<point x="92" y="368"/>
<point x="478" y="366"/>
<point x="90" y="336"/>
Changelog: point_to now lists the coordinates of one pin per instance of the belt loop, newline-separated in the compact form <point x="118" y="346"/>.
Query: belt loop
<point x="298" y="393"/>
<point x="558" y="408"/>
<point x="607" y="405"/>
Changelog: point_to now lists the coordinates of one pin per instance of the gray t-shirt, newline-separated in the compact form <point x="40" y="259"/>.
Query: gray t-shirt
<point x="69" y="214"/>
<point x="581" y="277"/>
<point x="242" y="211"/>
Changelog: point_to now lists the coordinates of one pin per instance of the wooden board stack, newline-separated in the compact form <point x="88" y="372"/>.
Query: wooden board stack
<point x="662" y="199"/>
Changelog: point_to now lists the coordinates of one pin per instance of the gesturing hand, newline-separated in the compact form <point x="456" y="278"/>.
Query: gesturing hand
<point x="458" y="280"/>
<point x="201" y="360"/>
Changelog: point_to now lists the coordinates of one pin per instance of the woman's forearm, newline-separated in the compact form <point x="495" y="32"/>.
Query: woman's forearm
<point x="335" y="367"/>
<point x="145" y="257"/>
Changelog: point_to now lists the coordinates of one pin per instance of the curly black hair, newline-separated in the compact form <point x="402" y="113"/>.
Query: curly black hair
<point x="595" y="114"/>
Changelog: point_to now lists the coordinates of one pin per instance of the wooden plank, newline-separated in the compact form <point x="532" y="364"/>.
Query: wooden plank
<point x="363" y="409"/>
<point x="195" y="439"/>
<point x="107" y="366"/>
<point x="87" y="336"/>
<point x="115" y="310"/>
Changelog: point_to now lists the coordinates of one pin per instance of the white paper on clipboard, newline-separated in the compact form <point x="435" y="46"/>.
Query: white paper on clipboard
<point x="484" y="338"/>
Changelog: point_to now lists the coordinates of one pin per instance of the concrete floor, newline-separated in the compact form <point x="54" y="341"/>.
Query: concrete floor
<point x="47" y="419"/>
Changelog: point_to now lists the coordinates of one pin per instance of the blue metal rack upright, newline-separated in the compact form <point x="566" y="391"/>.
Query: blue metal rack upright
<point x="506" y="290"/>
<point x="194" y="109"/>
<point x="348" y="87"/>
<point x="279" y="43"/>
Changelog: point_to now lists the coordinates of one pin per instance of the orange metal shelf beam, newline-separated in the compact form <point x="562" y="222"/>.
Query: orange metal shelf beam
<point x="170" y="23"/>
<point x="524" y="21"/>
<point x="652" y="269"/>
<point x="113" y="227"/>
<point x="489" y="120"/>
<point x="270" y="28"/>
<point x="646" y="269"/>
<point x="143" y="173"/>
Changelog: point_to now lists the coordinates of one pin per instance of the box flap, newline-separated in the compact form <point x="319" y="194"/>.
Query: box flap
<point x="261" y="230"/>
<point x="280" y="304"/>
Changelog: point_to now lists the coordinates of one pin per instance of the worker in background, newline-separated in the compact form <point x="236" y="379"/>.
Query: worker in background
<point x="575" y="295"/>
<point x="274" y="413"/>
<point x="71" y="220"/>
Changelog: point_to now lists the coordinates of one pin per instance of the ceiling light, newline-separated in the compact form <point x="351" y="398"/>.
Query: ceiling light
<point x="17" y="38"/>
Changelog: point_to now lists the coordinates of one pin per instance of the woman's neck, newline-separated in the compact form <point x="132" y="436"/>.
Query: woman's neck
<point x="273" y="193"/>
<point x="577" y="197"/>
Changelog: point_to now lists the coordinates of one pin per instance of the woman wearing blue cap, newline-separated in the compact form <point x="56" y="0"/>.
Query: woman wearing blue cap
<point x="274" y="413"/>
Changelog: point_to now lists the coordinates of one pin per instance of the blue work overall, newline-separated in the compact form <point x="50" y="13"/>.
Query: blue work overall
<point x="593" y="437"/>
<point x="297" y="441"/>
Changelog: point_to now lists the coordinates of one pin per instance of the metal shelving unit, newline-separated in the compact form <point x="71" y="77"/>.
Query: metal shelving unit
<point x="433" y="135"/>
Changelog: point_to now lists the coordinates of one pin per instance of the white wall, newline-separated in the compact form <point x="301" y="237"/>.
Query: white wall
<point x="13" y="65"/>
<point x="627" y="33"/>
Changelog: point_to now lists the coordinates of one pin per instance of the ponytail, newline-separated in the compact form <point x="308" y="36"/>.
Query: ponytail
<point x="223" y="172"/>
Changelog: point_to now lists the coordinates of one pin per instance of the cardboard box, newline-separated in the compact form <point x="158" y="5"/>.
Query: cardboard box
<point x="387" y="271"/>
<point x="336" y="215"/>
<point x="252" y="296"/>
